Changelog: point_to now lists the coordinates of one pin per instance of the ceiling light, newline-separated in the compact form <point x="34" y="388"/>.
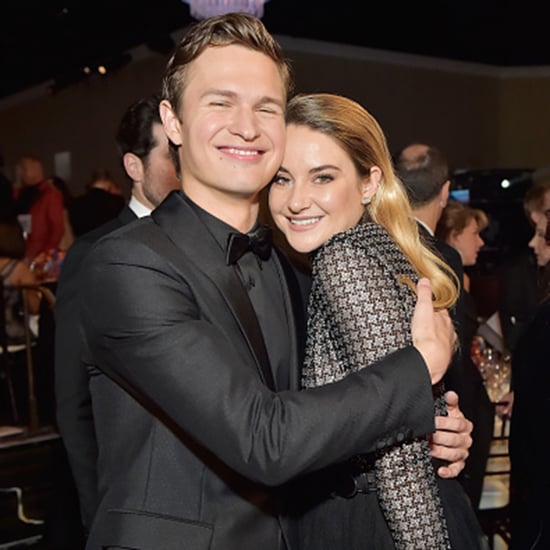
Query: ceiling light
<point x="200" y="9"/>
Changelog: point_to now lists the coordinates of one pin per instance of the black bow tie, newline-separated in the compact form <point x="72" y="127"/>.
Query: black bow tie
<point x="259" y="242"/>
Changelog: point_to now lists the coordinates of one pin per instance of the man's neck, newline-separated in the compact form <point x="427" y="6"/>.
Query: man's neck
<point x="428" y="216"/>
<point x="234" y="210"/>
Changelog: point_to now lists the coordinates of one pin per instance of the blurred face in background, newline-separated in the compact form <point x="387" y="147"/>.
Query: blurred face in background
<point x="468" y="242"/>
<point x="538" y="243"/>
<point x="30" y="171"/>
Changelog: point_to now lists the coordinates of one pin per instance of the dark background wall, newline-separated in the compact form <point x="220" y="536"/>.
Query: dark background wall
<point x="482" y="116"/>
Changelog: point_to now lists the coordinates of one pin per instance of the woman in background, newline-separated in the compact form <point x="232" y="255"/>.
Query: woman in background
<point x="529" y="438"/>
<point x="460" y="226"/>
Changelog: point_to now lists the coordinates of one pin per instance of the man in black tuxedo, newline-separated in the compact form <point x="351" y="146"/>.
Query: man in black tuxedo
<point x="424" y="171"/>
<point x="193" y="342"/>
<point x="148" y="163"/>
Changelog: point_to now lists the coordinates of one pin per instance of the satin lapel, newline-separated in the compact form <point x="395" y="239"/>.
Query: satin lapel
<point x="194" y="241"/>
<point x="295" y="305"/>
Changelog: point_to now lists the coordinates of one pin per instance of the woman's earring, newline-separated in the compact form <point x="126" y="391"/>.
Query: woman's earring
<point x="365" y="200"/>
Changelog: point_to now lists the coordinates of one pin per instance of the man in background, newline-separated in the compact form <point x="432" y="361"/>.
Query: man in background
<point x="424" y="171"/>
<point x="40" y="199"/>
<point x="101" y="202"/>
<point x="145" y="155"/>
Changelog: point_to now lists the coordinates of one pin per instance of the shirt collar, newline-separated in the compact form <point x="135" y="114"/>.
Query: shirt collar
<point x="138" y="208"/>
<point x="218" y="228"/>
<point x="420" y="222"/>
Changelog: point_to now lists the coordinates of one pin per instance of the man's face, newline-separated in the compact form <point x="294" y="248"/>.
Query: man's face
<point x="232" y="130"/>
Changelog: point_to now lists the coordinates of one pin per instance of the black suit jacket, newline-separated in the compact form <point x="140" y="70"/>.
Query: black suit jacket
<point x="529" y="437"/>
<point x="464" y="378"/>
<point x="73" y="403"/>
<point x="192" y="442"/>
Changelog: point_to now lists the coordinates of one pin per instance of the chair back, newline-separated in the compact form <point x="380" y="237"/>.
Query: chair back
<point x="8" y="351"/>
<point x="494" y="507"/>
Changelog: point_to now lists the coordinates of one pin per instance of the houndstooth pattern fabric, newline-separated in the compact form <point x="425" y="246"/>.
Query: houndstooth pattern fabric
<point x="358" y="313"/>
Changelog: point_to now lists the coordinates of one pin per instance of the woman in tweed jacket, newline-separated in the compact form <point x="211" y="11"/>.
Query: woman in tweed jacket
<point x="336" y="196"/>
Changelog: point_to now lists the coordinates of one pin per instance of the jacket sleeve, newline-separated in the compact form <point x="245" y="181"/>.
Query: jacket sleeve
<point x="168" y="339"/>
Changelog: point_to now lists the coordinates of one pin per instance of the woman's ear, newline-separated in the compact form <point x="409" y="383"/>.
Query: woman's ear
<point x="370" y="184"/>
<point x="170" y="121"/>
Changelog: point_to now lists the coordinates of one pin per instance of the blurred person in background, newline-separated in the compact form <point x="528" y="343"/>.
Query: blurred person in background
<point x="523" y="281"/>
<point x="147" y="161"/>
<point x="102" y="201"/>
<point x="529" y="438"/>
<point x="424" y="171"/>
<point x="68" y="234"/>
<point x="40" y="199"/>
<point x="520" y="275"/>
<point x="459" y="226"/>
<point x="102" y="179"/>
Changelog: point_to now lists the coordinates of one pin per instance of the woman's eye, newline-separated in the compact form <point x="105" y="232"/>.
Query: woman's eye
<point x="324" y="178"/>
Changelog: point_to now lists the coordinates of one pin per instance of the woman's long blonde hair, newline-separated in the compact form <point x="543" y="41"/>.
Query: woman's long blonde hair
<point x="360" y="135"/>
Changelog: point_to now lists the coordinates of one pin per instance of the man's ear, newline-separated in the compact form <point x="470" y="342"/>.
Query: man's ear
<point x="170" y="121"/>
<point x="444" y="194"/>
<point x="133" y="166"/>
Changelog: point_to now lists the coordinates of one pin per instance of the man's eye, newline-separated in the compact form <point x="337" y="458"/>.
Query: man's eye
<point x="281" y="180"/>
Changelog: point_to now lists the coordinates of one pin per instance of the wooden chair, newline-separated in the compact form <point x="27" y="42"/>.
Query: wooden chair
<point x="10" y="352"/>
<point x="494" y="507"/>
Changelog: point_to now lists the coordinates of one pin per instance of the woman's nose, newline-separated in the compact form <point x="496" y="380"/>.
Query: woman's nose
<point x="299" y="199"/>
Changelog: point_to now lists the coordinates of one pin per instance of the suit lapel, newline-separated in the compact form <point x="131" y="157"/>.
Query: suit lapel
<point x="192" y="238"/>
<point x="295" y="301"/>
<point x="126" y="215"/>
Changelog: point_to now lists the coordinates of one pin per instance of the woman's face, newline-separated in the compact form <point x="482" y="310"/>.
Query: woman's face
<point x="317" y="192"/>
<point x="538" y="242"/>
<point x="467" y="242"/>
